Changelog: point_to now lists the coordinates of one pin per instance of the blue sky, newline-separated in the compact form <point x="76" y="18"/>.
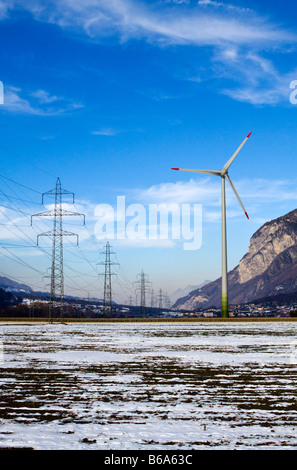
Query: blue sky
<point x="109" y="95"/>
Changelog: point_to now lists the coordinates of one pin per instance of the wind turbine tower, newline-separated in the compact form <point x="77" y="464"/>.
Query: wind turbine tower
<point x="223" y="173"/>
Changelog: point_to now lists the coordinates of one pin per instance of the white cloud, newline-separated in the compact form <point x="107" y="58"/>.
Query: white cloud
<point x="240" y="38"/>
<point x="176" y="22"/>
<point x="268" y="191"/>
<point x="39" y="102"/>
<point x="107" y="131"/>
<point x="251" y="77"/>
<point x="226" y="6"/>
<point x="262" y="89"/>
<point x="15" y="103"/>
<point x="44" y="97"/>
<point x="192" y="191"/>
<point x="254" y="193"/>
<point x="3" y="11"/>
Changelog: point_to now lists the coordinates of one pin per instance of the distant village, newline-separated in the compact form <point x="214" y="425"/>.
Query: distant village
<point x="96" y="309"/>
<point x="19" y="301"/>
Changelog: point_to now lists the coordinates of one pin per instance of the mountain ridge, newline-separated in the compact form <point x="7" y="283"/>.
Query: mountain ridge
<point x="268" y="268"/>
<point x="182" y="292"/>
<point x="5" y="282"/>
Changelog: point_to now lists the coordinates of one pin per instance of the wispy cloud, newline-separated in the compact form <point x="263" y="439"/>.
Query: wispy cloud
<point x="207" y="190"/>
<point x="254" y="193"/>
<point x="182" y="192"/>
<point x="169" y="24"/>
<point x="175" y="22"/>
<point x="44" y="97"/>
<point x="240" y="37"/>
<point x="3" y="10"/>
<point x="225" y="6"/>
<point x="257" y="79"/>
<point x="38" y="102"/>
<point x="106" y="131"/>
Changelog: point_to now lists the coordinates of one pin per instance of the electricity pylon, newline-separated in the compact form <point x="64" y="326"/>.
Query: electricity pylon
<point x="142" y="286"/>
<point x="57" y="234"/>
<point x="167" y="301"/>
<point x="152" y="298"/>
<point x="160" y="298"/>
<point x="107" y="302"/>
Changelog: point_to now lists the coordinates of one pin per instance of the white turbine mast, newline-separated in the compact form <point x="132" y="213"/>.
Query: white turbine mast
<point x="223" y="173"/>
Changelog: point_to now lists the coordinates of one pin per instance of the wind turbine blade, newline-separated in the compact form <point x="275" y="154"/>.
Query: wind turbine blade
<point x="209" y="172"/>
<point x="226" y="166"/>
<point x="236" y="194"/>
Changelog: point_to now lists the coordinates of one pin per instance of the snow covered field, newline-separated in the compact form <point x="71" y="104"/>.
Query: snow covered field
<point x="149" y="386"/>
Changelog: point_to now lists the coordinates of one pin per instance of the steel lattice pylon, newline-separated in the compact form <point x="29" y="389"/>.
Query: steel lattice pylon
<point x="57" y="234"/>
<point x="142" y="286"/>
<point x="107" y="302"/>
<point x="160" y="299"/>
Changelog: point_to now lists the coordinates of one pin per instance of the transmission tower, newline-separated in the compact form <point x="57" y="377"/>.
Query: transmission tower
<point x="160" y="298"/>
<point x="129" y="301"/>
<point x="57" y="234"/>
<point x="167" y="301"/>
<point x="142" y="286"/>
<point x="107" y="302"/>
<point x="152" y="298"/>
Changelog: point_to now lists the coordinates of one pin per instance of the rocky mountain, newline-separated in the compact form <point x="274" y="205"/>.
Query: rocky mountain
<point x="268" y="268"/>
<point x="182" y="292"/>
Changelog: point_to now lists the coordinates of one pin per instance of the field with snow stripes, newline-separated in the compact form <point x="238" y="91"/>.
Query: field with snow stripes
<point x="158" y="386"/>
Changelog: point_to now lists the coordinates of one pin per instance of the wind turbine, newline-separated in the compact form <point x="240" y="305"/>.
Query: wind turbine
<point x="223" y="173"/>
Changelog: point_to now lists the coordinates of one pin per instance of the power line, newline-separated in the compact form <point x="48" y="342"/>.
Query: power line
<point x="107" y="280"/>
<point x="26" y="161"/>
<point x="20" y="184"/>
<point x="11" y="226"/>
<point x="160" y="298"/>
<point x="153" y="298"/>
<point x="142" y="286"/>
<point x="20" y="261"/>
<point x="15" y="197"/>
<point x="57" y="234"/>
